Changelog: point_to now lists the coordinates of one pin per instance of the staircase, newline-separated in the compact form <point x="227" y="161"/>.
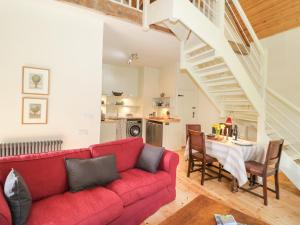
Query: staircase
<point x="221" y="52"/>
<point x="283" y="121"/>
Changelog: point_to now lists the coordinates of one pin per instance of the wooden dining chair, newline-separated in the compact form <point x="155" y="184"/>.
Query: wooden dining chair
<point x="194" y="127"/>
<point x="269" y="168"/>
<point x="197" y="143"/>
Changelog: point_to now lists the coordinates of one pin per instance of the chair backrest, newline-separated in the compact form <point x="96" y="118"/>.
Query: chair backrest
<point x="194" y="127"/>
<point x="197" y="142"/>
<point x="274" y="154"/>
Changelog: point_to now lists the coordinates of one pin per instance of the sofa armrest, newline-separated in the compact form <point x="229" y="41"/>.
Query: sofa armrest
<point x="169" y="163"/>
<point x="5" y="215"/>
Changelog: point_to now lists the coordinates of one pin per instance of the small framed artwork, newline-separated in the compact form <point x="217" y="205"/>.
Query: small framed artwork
<point x="35" y="81"/>
<point x="35" y="111"/>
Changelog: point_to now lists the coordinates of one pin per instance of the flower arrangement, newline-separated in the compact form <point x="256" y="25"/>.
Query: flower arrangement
<point x="217" y="128"/>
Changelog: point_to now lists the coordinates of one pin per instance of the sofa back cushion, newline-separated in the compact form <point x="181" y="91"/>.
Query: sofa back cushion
<point x="45" y="174"/>
<point x="126" y="151"/>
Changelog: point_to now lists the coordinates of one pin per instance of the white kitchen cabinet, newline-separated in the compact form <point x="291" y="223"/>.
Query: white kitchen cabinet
<point x="172" y="136"/>
<point x="108" y="131"/>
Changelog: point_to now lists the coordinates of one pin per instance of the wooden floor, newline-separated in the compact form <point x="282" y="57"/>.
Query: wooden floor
<point x="285" y="211"/>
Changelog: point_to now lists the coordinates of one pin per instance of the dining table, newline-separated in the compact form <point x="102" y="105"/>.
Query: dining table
<point x="233" y="154"/>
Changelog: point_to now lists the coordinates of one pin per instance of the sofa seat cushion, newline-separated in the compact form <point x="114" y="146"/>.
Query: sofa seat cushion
<point x="136" y="184"/>
<point x="95" y="206"/>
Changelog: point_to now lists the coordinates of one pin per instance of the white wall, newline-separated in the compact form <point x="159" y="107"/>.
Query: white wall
<point x="150" y="87"/>
<point x="68" y="41"/>
<point x="283" y="64"/>
<point x="120" y="78"/>
<point x="208" y="114"/>
<point x="168" y="80"/>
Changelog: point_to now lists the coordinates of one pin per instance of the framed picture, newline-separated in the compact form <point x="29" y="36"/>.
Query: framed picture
<point x="35" y="81"/>
<point x="35" y="111"/>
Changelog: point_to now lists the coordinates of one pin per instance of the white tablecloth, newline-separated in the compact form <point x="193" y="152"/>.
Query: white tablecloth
<point x="233" y="156"/>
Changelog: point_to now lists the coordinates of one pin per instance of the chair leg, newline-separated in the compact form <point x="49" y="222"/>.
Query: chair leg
<point x="265" y="190"/>
<point x="277" y="185"/>
<point x="220" y="172"/>
<point x="189" y="168"/>
<point x="203" y="173"/>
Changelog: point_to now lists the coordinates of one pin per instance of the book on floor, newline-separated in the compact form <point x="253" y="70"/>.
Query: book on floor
<point x="226" y="220"/>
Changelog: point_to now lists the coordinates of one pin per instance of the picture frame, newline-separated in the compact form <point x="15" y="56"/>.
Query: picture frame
<point x="35" y="81"/>
<point x="34" y="110"/>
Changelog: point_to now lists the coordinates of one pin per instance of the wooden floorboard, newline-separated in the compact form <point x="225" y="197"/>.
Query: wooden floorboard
<point x="284" y="211"/>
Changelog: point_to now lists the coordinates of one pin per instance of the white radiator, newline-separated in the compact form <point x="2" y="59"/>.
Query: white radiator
<point x="20" y="148"/>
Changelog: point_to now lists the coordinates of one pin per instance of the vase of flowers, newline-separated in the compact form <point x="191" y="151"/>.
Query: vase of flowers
<point x="216" y="127"/>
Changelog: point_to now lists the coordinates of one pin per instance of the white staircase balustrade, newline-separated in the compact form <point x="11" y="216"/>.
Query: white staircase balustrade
<point x="206" y="54"/>
<point x="132" y="4"/>
<point x="221" y="52"/>
<point x="283" y="121"/>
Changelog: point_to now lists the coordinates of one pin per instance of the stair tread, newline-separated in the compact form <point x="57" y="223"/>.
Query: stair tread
<point x="207" y="60"/>
<point x="194" y="48"/>
<point x="247" y="119"/>
<point x="212" y="73"/>
<point x="235" y="100"/>
<point x="225" y="90"/>
<point x="224" y="83"/>
<point x="229" y="93"/>
<point x="235" y="104"/>
<point x="240" y="110"/>
<point x="189" y="58"/>
<point x="219" y="79"/>
<point x="210" y="67"/>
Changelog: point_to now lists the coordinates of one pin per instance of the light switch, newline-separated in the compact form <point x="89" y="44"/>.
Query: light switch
<point x="83" y="131"/>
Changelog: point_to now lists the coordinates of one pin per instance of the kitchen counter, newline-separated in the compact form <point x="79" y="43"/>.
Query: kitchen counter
<point x="123" y="117"/>
<point x="163" y="120"/>
<point x="109" y="121"/>
<point x="116" y="119"/>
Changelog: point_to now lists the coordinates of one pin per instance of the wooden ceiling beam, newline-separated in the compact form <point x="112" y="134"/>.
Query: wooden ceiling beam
<point x="116" y="10"/>
<point x="111" y="9"/>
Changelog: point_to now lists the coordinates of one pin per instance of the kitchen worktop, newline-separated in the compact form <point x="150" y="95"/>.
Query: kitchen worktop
<point x="116" y="119"/>
<point x="109" y="121"/>
<point x="156" y="119"/>
<point x="163" y="119"/>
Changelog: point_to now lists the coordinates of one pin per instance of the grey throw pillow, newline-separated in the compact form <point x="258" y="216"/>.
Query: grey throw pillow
<point x="150" y="158"/>
<point x="86" y="173"/>
<point x="18" y="197"/>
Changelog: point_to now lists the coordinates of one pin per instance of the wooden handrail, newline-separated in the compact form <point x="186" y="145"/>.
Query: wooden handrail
<point x="246" y="39"/>
<point x="248" y="25"/>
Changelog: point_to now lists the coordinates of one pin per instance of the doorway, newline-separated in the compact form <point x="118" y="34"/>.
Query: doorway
<point x="187" y="108"/>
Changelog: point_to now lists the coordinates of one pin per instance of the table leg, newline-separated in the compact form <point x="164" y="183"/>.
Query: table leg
<point x="234" y="187"/>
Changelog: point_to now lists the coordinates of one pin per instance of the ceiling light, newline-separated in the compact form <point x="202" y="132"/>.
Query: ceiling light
<point x="132" y="57"/>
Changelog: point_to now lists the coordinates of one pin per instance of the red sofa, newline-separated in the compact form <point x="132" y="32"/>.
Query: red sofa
<point x="126" y="201"/>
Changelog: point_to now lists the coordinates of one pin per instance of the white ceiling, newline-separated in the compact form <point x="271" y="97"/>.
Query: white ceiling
<point x="154" y="48"/>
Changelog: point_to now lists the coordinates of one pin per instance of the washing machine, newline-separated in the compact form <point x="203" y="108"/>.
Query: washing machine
<point x="134" y="127"/>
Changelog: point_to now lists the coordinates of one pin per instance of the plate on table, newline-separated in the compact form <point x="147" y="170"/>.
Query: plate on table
<point x="242" y="143"/>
